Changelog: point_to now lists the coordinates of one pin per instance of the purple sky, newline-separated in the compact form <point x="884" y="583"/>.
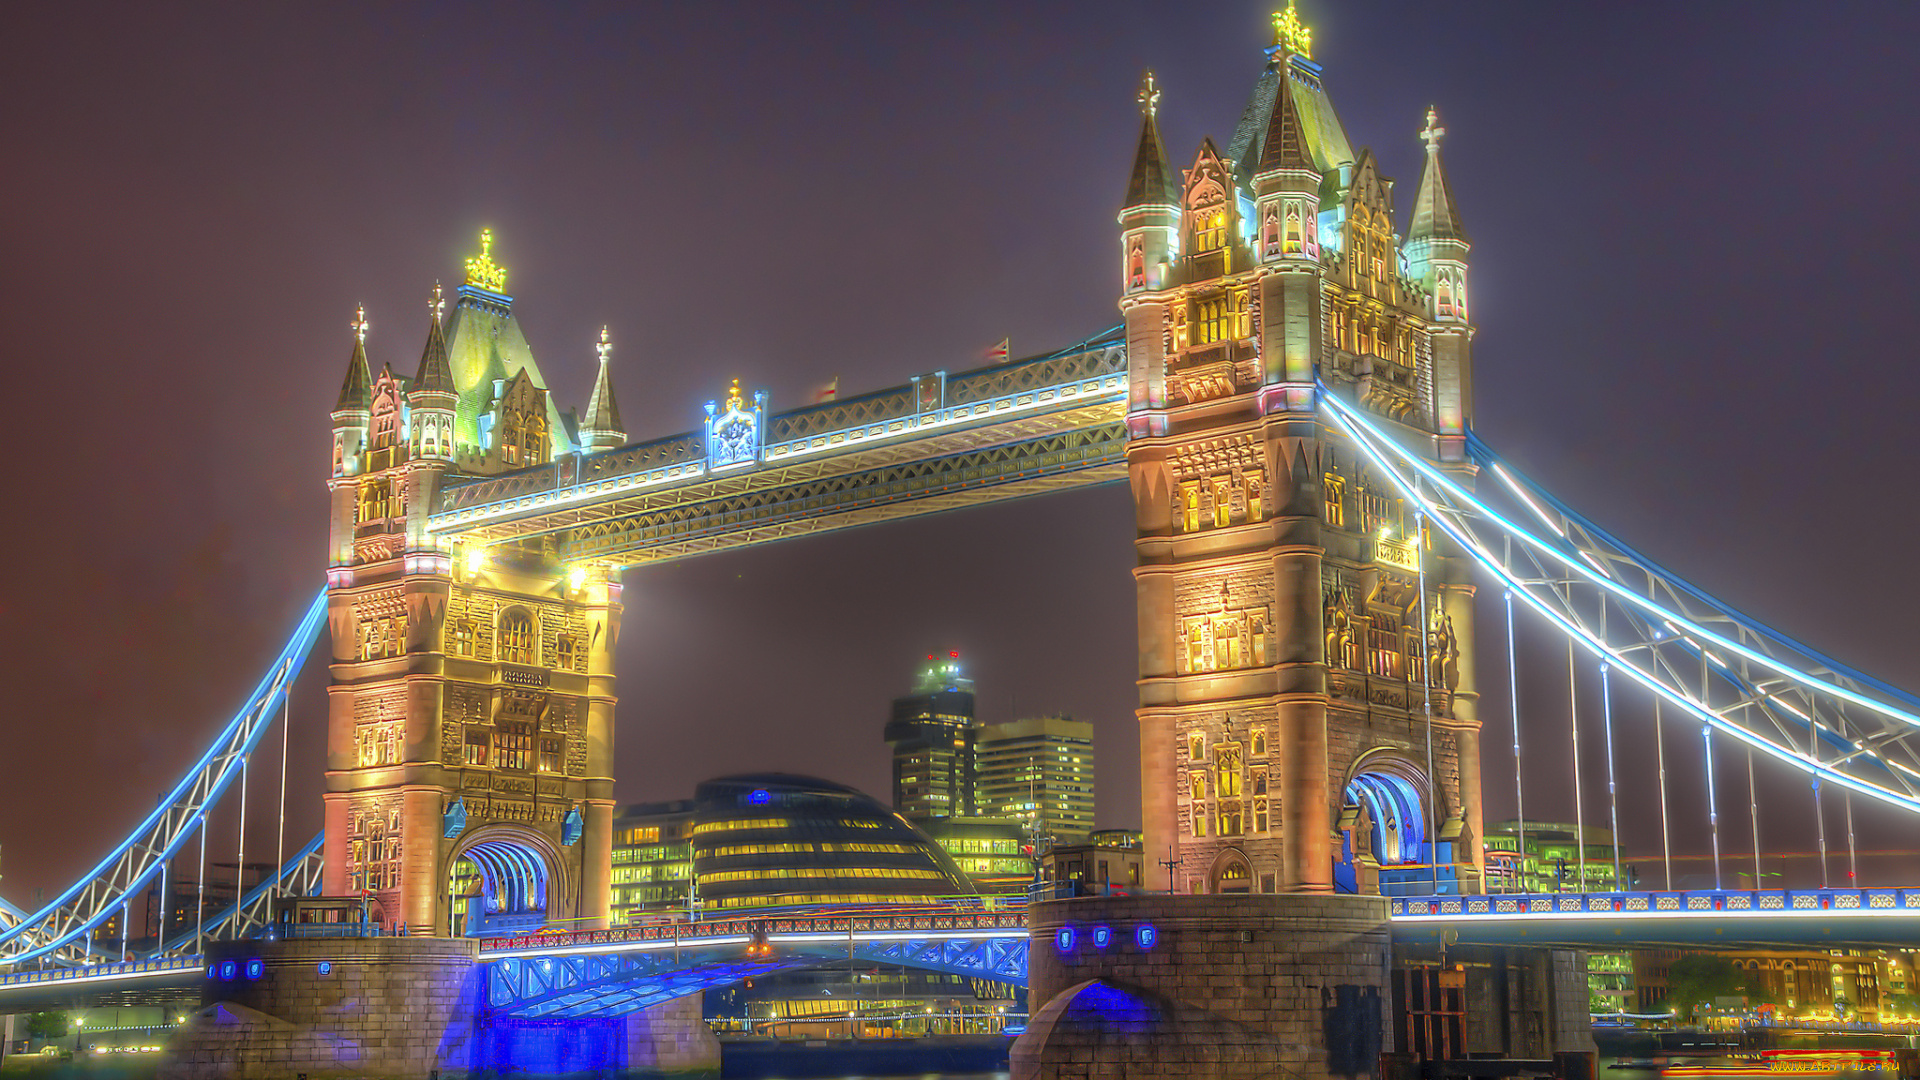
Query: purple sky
<point x="1693" y="230"/>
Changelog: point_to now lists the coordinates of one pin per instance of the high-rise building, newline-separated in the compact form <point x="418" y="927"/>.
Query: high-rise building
<point x="996" y="853"/>
<point x="652" y="860"/>
<point x="931" y="732"/>
<point x="1040" y="771"/>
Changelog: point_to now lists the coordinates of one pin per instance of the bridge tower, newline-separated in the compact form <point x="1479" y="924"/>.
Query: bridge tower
<point x="1307" y="705"/>
<point x="470" y="735"/>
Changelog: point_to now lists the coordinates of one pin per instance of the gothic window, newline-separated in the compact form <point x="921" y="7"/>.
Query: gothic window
<point x="517" y="645"/>
<point x="1253" y="496"/>
<point x="1293" y="230"/>
<point x="512" y="747"/>
<point x="383" y="637"/>
<point x="1199" y="821"/>
<point x="1270" y="231"/>
<point x="339" y="455"/>
<point x="1190" y="506"/>
<point x="1257" y="627"/>
<point x="1260" y="819"/>
<point x="1222" y="503"/>
<point x="1136" y="265"/>
<point x="1226" y="643"/>
<point x="1385" y="655"/>
<point x="476" y="746"/>
<point x="1212" y="321"/>
<point x="1230" y="826"/>
<point x="1443" y="295"/>
<point x="1259" y="781"/>
<point x="567" y="652"/>
<point x="1339" y="328"/>
<point x="1333" y="491"/>
<point x="1226" y="770"/>
<point x="460" y="638"/>
<point x="1196" y="746"/>
<point x="376" y="500"/>
<point x="1260" y="742"/>
<point x="1240" y="324"/>
<point x="549" y="754"/>
<point x="1198" y="654"/>
<point x="1209" y="230"/>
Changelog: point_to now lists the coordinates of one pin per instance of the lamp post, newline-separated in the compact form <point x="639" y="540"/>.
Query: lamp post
<point x="78" y="1023"/>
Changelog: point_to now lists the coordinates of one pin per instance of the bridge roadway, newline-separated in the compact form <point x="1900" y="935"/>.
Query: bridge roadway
<point x="611" y="972"/>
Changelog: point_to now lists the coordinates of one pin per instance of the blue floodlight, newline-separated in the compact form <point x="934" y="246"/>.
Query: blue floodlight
<point x="1102" y="937"/>
<point x="1146" y="936"/>
<point x="1064" y="939"/>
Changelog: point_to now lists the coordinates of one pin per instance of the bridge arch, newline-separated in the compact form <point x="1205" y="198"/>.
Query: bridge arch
<point x="1231" y="872"/>
<point x="1388" y="808"/>
<point x="506" y="879"/>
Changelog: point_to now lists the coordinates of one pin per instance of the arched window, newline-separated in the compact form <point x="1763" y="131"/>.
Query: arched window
<point x="1209" y="230"/>
<point x="517" y="645"/>
<point x="1293" y="231"/>
<point x="1226" y="770"/>
<point x="1136" y="265"/>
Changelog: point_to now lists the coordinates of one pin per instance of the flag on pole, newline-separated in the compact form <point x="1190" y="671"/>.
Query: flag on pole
<point x="827" y="391"/>
<point x="998" y="354"/>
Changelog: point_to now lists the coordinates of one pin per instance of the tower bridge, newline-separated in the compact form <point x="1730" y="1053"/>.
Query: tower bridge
<point x="1289" y="397"/>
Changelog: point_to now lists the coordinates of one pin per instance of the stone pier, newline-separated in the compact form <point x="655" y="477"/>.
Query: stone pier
<point x="405" y="1009"/>
<point x="1227" y="985"/>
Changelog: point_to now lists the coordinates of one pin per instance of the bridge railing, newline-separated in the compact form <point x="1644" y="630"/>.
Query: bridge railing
<point x="1705" y="902"/>
<point x="902" y="919"/>
<point x="131" y="969"/>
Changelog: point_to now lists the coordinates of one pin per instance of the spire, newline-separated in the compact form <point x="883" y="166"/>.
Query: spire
<point x="1434" y="217"/>
<point x="602" y="428"/>
<point x="1152" y="182"/>
<point x="1285" y="146"/>
<point x="357" y="391"/>
<point x="482" y="271"/>
<point x="1291" y="37"/>
<point x="435" y="373"/>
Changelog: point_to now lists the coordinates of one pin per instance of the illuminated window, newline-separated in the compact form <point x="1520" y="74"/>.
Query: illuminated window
<point x="1222" y="504"/>
<point x="1259" y="742"/>
<point x="1136" y="265"/>
<point x="1226" y="770"/>
<point x="1443" y="295"/>
<point x="1199" y="821"/>
<point x="512" y="745"/>
<point x="1190" y="506"/>
<point x="1254" y="490"/>
<point x="1333" y="491"/>
<point x="1198" y="655"/>
<point x="1293" y="230"/>
<point x="1337" y="328"/>
<point x="1210" y="321"/>
<point x="550" y="748"/>
<point x="383" y="637"/>
<point x="1259" y="781"/>
<point x="460" y="637"/>
<point x="1226" y="644"/>
<point x="1230" y="826"/>
<point x="1196" y="746"/>
<point x="567" y="652"/>
<point x="377" y="501"/>
<point x="517" y="644"/>
<point x="476" y="746"/>
<point x="1197" y="786"/>
<point x="1385" y="652"/>
<point x="1209" y="230"/>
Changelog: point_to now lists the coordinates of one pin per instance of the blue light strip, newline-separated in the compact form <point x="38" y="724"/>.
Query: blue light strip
<point x="274" y="686"/>
<point x="259" y="891"/>
<point x="1365" y="436"/>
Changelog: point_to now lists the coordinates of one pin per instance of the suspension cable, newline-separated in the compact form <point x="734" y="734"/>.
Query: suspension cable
<point x="200" y="904"/>
<point x="1853" y="853"/>
<point x="1579" y="811"/>
<point x="1713" y="812"/>
<point x="1820" y="828"/>
<point x="240" y="859"/>
<point x="1513" y="708"/>
<point x="160" y="946"/>
<point x="1660" y="756"/>
<point x="1753" y="809"/>
<point x="1613" y="800"/>
<point x="280" y="845"/>
<point x="1426" y="703"/>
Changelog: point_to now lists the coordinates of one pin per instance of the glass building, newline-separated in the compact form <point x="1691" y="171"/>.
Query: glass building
<point x="775" y="840"/>
<point x="652" y="860"/>
<point x="1551" y="861"/>
<point x="931" y="733"/>
<point x="996" y="853"/>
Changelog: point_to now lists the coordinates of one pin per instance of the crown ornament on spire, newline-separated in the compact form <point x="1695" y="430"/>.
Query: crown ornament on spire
<point x="605" y="346"/>
<point x="1431" y="134"/>
<point x="436" y="305"/>
<point x="482" y="270"/>
<point x="1149" y="95"/>
<point x="735" y="403"/>
<point x="1290" y="35"/>
<point x="359" y="324"/>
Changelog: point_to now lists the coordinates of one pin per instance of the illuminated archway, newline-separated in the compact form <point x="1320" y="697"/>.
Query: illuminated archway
<point x="504" y="881"/>
<point x="1231" y="873"/>
<point x="1387" y="826"/>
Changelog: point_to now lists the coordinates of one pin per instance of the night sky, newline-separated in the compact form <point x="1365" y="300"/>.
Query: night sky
<point x="1692" y="232"/>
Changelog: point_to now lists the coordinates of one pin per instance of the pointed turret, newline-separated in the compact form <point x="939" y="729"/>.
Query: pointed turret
<point x="1285" y="146"/>
<point x="351" y="413"/>
<point x="1437" y="258"/>
<point x="356" y="392"/>
<point x="432" y="398"/>
<point x="435" y="373"/>
<point x="602" y="429"/>
<point x="1153" y="182"/>
<point x="1434" y="215"/>
<point x="1286" y="186"/>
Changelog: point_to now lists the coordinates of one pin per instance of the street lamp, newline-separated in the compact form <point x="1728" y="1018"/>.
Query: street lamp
<point x="78" y="1023"/>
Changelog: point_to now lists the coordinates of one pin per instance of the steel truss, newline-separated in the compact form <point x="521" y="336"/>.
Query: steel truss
<point x="62" y="929"/>
<point x="1724" y="669"/>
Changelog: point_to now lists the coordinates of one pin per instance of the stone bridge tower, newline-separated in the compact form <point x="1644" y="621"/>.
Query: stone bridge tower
<point x="1307" y="704"/>
<point x="470" y="733"/>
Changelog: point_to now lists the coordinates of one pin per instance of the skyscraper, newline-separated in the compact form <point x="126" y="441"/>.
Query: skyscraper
<point x="1041" y="771"/>
<point x="932" y="733"/>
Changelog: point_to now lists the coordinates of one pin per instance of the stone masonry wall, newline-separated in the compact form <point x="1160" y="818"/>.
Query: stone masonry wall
<point x="1227" y="985"/>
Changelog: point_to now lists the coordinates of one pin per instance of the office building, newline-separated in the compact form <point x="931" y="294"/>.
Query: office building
<point x="931" y="733"/>
<point x="652" y="861"/>
<point x="1040" y="771"/>
<point x="995" y="853"/>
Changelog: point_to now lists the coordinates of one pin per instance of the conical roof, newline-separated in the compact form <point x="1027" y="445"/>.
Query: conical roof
<point x="1285" y="145"/>
<point x="603" y="413"/>
<point x="356" y="391"/>
<point x="1434" y="215"/>
<point x="1152" y="182"/>
<point x="436" y="374"/>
